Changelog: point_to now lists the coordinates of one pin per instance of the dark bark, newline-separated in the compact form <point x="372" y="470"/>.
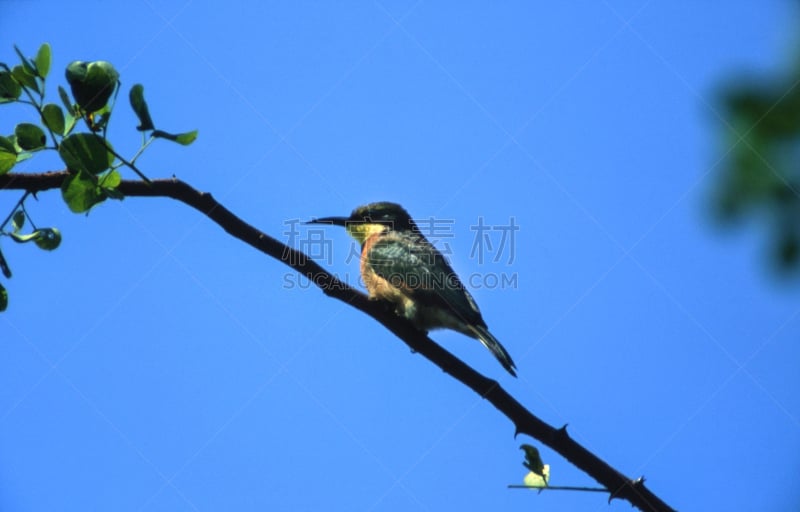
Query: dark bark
<point x="618" y="485"/>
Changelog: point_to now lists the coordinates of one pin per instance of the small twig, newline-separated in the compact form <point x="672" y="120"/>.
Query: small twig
<point x="14" y="210"/>
<point x="25" y="211"/>
<point x="131" y="165"/>
<point x="141" y="149"/>
<point x="559" y="488"/>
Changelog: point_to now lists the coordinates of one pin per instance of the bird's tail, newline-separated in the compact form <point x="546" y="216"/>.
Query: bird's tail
<point x="490" y="342"/>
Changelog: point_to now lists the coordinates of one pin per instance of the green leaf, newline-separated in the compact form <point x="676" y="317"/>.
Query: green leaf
<point x="7" y="161"/>
<point x="53" y="118"/>
<point x="80" y="192"/>
<point x="26" y="63"/>
<point x="185" y="138"/>
<point x="110" y="180"/>
<point x="4" y="268"/>
<point x="539" y="474"/>
<point x="45" y="238"/>
<point x="23" y="156"/>
<point x="6" y="144"/>
<point x="9" y="88"/>
<point x="21" y="239"/>
<point x="42" y="60"/>
<point x="92" y="83"/>
<point x="3" y="298"/>
<point x="109" y="184"/>
<point x="24" y="78"/>
<point x="18" y="220"/>
<point x="49" y="239"/>
<point x="66" y="101"/>
<point x="537" y="481"/>
<point x="8" y="155"/>
<point x="533" y="461"/>
<point x="85" y="152"/>
<point x="140" y="108"/>
<point x="29" y="136"/>
<point x="69" y="124"/>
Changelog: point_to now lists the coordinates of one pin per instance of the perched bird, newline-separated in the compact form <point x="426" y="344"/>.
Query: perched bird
<point x="399" y="265"/>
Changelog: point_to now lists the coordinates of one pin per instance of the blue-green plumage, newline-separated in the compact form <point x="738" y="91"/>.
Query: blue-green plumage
<point x="409" y="262"/>
<point x="400" y="265"/>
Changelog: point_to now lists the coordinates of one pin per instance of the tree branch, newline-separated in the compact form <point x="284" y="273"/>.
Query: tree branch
<point x="618" y="485"/>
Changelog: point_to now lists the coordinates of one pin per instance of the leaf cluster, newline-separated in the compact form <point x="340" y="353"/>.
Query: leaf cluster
<point x="92" y="162"/>
<point x="760" y="177"/>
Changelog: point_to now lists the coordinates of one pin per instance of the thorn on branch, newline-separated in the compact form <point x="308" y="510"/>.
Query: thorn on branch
<point x="636" y="485"/>
<point x="561" y="433"/>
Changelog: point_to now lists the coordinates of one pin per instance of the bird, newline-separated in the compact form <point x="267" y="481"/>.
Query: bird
<point x="400" y="266"/>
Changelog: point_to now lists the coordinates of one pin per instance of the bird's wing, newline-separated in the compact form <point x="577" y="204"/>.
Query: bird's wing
<point x="422" y="272"/>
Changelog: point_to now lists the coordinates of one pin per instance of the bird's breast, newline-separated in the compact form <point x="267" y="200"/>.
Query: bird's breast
<point x="381" y="288"/>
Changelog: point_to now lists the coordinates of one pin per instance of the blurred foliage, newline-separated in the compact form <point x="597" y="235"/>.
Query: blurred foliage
<point x="761" y="174"/>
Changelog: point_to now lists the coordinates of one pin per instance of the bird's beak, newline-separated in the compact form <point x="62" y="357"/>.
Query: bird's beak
<point x="334" y="221"/>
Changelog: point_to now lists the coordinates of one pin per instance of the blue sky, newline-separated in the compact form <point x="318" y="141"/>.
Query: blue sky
<point x="154" y="363"/>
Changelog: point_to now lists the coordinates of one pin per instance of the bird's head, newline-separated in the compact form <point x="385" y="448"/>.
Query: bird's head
<point x="372" y="219"/>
